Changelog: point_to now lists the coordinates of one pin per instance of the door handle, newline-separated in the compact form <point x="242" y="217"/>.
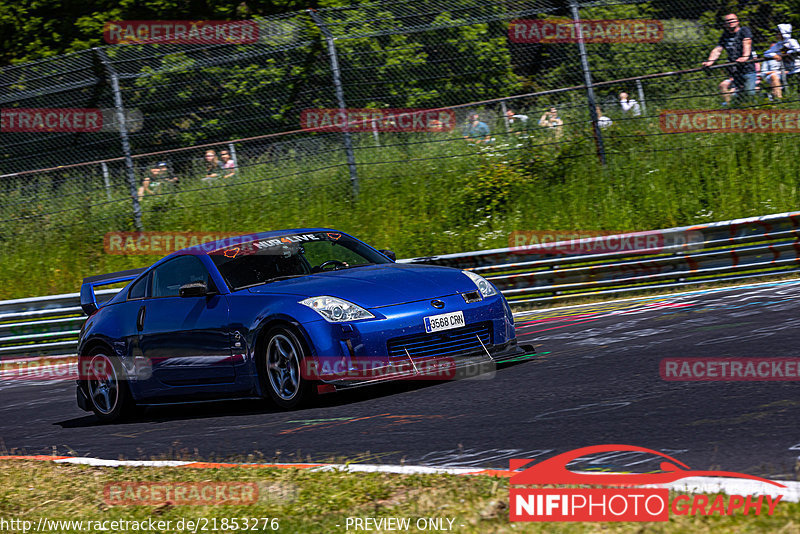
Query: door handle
<point x="140" y="319"/>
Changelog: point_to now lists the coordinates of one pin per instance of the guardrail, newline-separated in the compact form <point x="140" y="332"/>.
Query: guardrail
<point x="674" y="257"/>
<point x="43" y="326"/>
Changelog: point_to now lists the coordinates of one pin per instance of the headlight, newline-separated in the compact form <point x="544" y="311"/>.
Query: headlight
<point x="336" y="310"/>
<point x="486" y="289"/>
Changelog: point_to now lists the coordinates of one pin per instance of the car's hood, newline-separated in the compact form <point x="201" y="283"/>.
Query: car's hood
<point x="376" y="285"/>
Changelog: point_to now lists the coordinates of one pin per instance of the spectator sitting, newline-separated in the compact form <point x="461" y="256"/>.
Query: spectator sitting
<point x="212" y="166"/>
<point x="737" y="41"/>
<point x="551" y="120"/>
<point x="227" y="164"/>
<point x="516" y="122"/>
<point x="145" y="187"/>
<point x="629" y="105"/>
<point x="435" y="125"/>
<point x="602" y="120"/>
<point x="782" y="55"/>
<point x="476" y="131"/>
<point x="156" y="175"/>
<point x="163" y="174"/>
<point x="771" y="73"/>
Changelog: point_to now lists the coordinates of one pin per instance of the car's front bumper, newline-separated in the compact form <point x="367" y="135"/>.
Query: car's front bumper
<point x="466" y="366"/>
<point x="395" y="344"/>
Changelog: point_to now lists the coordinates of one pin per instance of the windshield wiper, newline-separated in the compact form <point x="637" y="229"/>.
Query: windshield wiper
<point x="284" y="277"/>
<point x="359" y="265"/>
<point x="275" y="279"/>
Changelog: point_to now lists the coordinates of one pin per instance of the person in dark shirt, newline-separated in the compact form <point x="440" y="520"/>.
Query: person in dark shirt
<point x="737" y="41"/>
<point x="213" y="166"/>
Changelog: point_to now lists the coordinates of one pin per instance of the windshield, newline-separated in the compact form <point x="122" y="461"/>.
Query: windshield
<point x="289" y="256"/>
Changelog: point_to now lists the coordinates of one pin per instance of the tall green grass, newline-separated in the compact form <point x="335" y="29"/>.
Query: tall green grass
<point x="430" y="194"/>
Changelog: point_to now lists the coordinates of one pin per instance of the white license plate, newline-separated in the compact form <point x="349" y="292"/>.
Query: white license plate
<point x="445" y="321"/>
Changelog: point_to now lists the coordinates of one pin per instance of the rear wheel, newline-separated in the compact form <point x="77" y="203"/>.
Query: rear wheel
<point x="281" y="368"/>
<point x="106" y="387"/>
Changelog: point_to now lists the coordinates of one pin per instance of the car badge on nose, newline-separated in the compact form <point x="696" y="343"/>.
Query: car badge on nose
<point x="437" y="304"/>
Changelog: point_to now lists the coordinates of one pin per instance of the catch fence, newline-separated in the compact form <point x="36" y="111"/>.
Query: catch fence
<point x="164" y="105"/>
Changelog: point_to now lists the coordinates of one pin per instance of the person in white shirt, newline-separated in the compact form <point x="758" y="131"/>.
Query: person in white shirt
<point x="516" y="122"/>
<point x="783" y="55"/>
<point x="629" y="104"/>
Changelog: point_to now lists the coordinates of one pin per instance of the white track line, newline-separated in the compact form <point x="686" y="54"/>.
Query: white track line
<point x="730" y="486"/>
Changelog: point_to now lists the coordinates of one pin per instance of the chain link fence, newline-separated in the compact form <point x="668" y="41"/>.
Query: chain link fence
<point x="173" y="114"/>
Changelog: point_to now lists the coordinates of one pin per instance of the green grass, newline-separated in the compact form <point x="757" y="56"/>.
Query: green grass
<point x="313" y="502"/>
<point x="422" y="195"/>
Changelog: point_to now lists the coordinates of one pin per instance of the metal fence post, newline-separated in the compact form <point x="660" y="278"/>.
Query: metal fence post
<point x="106" y="180"/>
<point x="232" y="152"/>
<point x="375" y="132"/>
<point x="504" y="109"/>
<point x="123" y="135"/>
<point x="587" y="76"/>
<point x="640" y="90"/>
<point x="337" y="84"/>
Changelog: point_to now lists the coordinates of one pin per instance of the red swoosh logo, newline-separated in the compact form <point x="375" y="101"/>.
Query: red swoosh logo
<point x="554" y="470"/>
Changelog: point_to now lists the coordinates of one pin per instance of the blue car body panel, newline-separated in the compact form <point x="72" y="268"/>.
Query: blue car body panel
<point x="194" y="348"/>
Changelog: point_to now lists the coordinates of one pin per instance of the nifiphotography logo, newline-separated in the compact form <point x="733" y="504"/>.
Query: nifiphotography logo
<point x="626" y="501"/>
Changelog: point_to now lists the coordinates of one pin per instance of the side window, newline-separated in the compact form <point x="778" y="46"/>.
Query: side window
<point x="169" y="277"/>
<point x="139" y="288"/>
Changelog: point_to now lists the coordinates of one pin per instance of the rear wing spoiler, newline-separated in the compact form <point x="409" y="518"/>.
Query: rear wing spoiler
<point x="88" y="297"/>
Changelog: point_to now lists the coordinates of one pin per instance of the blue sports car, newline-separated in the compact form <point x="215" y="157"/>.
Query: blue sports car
<point x="282" y="315"/>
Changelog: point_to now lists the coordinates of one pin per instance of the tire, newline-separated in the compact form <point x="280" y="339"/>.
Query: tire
<point x="106" y="387"/>
<point x="280" y="366"/>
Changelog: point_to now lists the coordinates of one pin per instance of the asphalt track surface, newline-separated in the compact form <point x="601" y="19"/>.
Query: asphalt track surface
<point x="596" y="381"/>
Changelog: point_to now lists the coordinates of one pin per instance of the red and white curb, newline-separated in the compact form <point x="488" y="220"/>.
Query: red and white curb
<point x="730" y="486"/>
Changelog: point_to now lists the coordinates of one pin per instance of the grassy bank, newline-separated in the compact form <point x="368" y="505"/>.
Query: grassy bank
<point x="303" y="501"/>
<point x="426" y="194"/>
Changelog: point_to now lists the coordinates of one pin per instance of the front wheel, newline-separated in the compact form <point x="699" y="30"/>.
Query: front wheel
<point x="106" y="387"/>
<point x="281" y="372"/>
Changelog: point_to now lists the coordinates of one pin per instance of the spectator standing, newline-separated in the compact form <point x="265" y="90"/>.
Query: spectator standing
<point x="551" y="120"/>
<point x="737" y="41"/>
<point x="212" y="166"/>
<point x="629" y="105"/>
<point x="227" y="164"/>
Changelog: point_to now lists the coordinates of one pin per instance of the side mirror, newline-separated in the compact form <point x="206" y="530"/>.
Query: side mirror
<point x="194" y="289"/>
<point x="389" y="254"/>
